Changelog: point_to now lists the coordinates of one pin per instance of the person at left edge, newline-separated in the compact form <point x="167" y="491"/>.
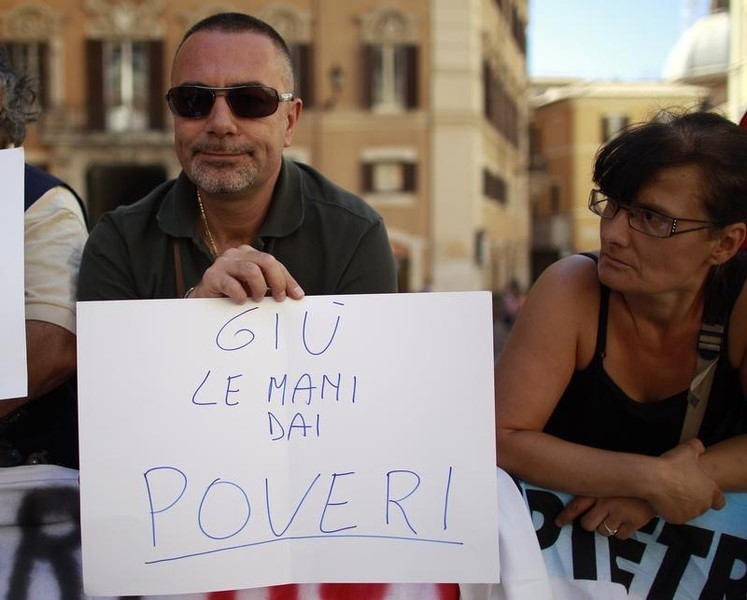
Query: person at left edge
<point x="240" y="220"/>
<point x="43" y="426"/>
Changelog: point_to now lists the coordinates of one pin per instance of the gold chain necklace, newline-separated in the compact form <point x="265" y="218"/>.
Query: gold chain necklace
<point x="213" y="247"/>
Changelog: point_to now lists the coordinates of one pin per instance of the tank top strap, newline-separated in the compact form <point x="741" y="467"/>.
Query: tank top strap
<point x="604" y="303"/>
<point x="723" y="289"/>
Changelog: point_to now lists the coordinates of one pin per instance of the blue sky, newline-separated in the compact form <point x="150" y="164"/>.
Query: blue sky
<point x="606" y="39"/>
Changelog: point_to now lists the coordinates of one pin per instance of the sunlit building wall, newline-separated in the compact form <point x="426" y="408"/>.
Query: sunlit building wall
<point x="737" y="81"/>
<point x="418" y="106"/>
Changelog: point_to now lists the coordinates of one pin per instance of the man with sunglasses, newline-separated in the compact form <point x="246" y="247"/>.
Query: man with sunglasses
<point x="240" y="221"/>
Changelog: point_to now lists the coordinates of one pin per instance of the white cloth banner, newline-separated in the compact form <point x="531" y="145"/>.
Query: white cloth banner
<point x="705" y="558"/>
<point x="40" y="552"/>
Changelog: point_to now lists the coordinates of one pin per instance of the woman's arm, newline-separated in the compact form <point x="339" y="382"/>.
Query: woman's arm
<point x="554" y="335"/>
<point x="726" y="464"/>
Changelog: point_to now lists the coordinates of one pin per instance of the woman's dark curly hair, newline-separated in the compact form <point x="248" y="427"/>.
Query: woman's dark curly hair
<point x="18" y="105"/>
<point x="708" y="141"/>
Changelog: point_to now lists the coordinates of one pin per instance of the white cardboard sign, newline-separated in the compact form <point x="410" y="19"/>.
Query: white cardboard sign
<point x="13" y="374"/>
<point x="333" y="439"/>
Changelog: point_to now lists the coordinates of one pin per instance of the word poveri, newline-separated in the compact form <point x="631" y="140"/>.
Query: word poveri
<point x="239" y="515"/>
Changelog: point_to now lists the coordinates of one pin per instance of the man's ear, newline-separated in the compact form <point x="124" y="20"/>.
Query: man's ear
<point x="730" y="241"/>
<point x="291" y="120"/>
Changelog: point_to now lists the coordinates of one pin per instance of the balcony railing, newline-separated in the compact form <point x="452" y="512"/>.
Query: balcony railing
<point x="62" y="123"/>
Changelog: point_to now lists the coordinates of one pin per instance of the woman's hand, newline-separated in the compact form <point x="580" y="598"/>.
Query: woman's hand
<point x="245" y="272"/>
<point x="685" y="490"/>
<point x="620" y="517"/>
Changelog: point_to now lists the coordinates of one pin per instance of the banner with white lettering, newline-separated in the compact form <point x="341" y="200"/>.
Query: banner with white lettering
<point x="705" y="558"/>
<point x="333" y="439"/>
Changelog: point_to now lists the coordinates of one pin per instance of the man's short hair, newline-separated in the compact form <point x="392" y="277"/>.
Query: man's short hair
<point x="235" y="22"/>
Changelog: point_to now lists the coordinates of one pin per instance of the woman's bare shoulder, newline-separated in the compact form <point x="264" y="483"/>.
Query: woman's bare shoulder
<point x="564" y="304"/>
<point x="552" y="334"/>
<point x="573" y="279"/>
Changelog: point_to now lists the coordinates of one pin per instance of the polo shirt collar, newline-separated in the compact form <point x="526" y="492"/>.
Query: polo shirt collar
<point x="179" y="212"/>
<point x="286" y="211"/>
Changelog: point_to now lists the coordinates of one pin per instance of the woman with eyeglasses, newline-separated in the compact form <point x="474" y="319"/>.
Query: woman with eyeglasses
<point x="594" y="389"/>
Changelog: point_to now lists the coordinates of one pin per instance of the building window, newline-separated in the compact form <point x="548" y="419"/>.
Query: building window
<point x="389" y="176"/>
<point x="33" y="59"/>
<point x="481" y="249"/>
<point x="612" y="125"/>
<point x="303" y="70"/>
<point x="125" y="85"/>
<point x="494" y="187"/>
<point x="500" y="109"/>
<point x="390" y="61"/>
<point x="537" y="160"/>
<point x="518" y="30"/>
<point x="392" y="77"/>
<point x="555" y="200"/>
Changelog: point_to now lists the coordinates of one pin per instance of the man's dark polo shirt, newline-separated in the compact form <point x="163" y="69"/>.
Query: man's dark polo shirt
<point x="330" y="240"/>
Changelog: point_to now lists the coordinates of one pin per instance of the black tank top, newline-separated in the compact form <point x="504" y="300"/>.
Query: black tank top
<point x="595" y="412"/>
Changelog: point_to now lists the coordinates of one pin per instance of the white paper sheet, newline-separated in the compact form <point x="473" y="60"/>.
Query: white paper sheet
<point x="334" y="439"/>
<point x="13" y="373"/>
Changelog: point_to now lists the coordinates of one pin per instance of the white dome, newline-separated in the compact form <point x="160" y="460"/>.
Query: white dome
<point x="702" y="51"/>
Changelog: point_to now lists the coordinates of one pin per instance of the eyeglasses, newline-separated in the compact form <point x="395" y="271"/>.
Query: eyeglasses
<point x="642" y="219"/>
<point x="245" y="101"/>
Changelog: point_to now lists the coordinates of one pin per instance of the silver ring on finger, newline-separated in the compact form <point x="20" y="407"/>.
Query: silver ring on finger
<point x="609" y="530"/>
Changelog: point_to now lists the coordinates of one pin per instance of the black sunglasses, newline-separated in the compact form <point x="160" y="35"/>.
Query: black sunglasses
<point x="245" y="101"/>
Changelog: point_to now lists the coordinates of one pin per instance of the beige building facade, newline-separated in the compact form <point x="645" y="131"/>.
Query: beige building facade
<point x="418" y="106"/>
<point x="737" y="68"/>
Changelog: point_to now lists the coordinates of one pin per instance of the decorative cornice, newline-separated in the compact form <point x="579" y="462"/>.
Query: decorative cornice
<point x="34" y="21"/>
<point x="131" y="19"/>
<point x="387" y="24"/>
<point x="193" y="16"/>
<point x="294" y="25"/>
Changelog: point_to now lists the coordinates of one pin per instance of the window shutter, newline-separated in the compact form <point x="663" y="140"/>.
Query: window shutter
<point x="367" y="177"/>
<point x="156" y="101"/>
<point x="305" y="75"/>
<point x="410" y="179"/>
<point x="36" y="66"/>
<point x="487" y="92"/>
<point x="503" y="116"/>
<point x="367" y="79"/>
<point x="95" y="85"/>
<point x="44" y="75"/>
<point x="411" y="76"/>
